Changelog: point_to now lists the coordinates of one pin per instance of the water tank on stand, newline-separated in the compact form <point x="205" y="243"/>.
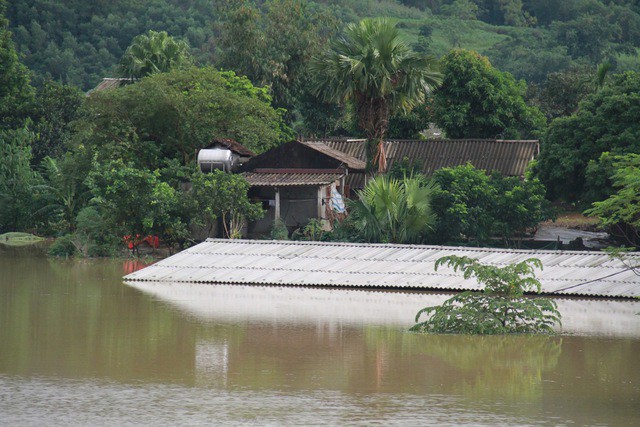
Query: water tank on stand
<point x="217" y="158"/>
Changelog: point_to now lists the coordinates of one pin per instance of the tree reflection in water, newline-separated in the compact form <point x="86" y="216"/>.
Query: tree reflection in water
<point x="508" y="367"/>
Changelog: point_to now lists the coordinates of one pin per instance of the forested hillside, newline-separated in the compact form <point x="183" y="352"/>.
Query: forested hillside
<point x="79" y="42"/>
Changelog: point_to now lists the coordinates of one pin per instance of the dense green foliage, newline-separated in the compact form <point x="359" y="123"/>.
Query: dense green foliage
<point x="475" y="207"/>
<point x="153" y="52"/>
<point x="620" y="213"/>
<point x="560" y="93"/>
<point x="606" y="121"/>
<point x="79" y="42"/>
<point x="224" y="196"/>
<point x="478" y="101"/>
<point x="55" y="108"/>
<point x="16" y="180"/>
<point x="389" y="210"/>
<point x="272" y="45"/>
<point x="373" y="68"/>
<point x="15" y="91"/>
<point x="500" y="308"/>
<point x="135" y="202"/>
<point x="170" y="115"/>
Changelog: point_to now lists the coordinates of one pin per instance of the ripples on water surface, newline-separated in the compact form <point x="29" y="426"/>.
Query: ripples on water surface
<point x="77" y="346"/>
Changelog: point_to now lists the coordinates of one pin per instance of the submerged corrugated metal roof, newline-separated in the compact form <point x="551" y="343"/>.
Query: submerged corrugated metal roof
<point x="258" y="179"/>
<point x="384" y="265"/>
<point x="508" y="157"/>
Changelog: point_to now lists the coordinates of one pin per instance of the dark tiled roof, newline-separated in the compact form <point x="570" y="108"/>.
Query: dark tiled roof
<point x="349" y="160"/>
<point x="508" y="157"/>
<point x="232" y="145"/>
<point x="258" y="179"/>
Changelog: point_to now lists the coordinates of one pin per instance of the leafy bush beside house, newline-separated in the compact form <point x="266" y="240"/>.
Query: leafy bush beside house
<point x="474" y="207"/>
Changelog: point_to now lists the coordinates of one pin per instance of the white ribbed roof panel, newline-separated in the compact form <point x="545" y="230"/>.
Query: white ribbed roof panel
<point x="384" y="265"/>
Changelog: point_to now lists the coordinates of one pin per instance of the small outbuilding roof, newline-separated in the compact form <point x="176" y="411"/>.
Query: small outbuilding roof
<point x="291" y="177"/>
<point x="384" y="266"/>
<point x="111" y="83"/>
<point x="232" y="145"/>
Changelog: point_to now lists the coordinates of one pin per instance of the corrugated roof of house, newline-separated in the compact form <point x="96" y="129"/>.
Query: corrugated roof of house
<point x="506" y="156"/>
<point x="349" y="160"/>
<point x="384" y="266"/>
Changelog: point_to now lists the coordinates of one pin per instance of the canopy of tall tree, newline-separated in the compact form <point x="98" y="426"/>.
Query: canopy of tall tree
<point x="478" y="101"/>
<point x="154" y="52"/>
<point x="371" y="66"/>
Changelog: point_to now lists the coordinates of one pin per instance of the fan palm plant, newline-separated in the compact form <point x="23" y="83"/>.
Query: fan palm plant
<point x="373" y="67"/>
<point x="394" y="211"/>
<point x="154" y="52"/>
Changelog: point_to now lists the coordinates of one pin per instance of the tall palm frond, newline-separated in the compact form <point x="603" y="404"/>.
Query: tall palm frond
<point x="394" y="211"/>
<point x="371" y="65"/>
<point x="153" y="52"/>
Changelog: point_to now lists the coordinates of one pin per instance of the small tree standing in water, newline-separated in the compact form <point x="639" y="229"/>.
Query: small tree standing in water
<point x="500" y="308"/>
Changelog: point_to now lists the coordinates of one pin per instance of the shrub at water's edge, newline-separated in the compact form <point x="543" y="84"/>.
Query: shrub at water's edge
<point x="499" y="308"/>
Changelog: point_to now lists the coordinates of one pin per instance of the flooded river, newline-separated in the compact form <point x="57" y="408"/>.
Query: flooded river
<point x="79" y="346"/>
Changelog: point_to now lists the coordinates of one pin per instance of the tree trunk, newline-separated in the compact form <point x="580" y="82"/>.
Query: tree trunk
<point x="373" y="119"/>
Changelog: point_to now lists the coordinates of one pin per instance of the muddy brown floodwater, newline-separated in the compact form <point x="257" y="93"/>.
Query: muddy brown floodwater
<point x="79" y="346"/>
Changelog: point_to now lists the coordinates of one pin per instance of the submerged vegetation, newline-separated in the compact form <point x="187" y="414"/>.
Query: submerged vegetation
<point x="500" y="308"/>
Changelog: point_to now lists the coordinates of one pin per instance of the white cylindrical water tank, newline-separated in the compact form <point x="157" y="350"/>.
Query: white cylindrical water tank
<point x="216" y="158"/>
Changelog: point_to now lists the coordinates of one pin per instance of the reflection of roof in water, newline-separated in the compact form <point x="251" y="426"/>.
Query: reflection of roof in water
<point x="383" y="266"/>
<point x="298" y="305"/>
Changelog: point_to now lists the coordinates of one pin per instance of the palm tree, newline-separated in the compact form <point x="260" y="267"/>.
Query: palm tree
<point x="154" y="52"/>
<point x="371" y="66"/>
<point x="394" y="211"/>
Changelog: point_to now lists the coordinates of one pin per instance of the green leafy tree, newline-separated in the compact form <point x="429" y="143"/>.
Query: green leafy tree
<point x="500" y="308"/>
<point x="170" y="115"/>
<point x="530" y="57"/>
<point x="394" y="211"/>
<point x="93" y="237"/>
<point x="588" y="36"/>
<point x="55" y="108"/>
<point x="476" y="207"/>
<point x="16" y="93"/>
<point x="222" y="195"/>
<point x="17" y="198"/>
<point x="560" y="93"/>
<point x="476" y="100"/>
<point x="620" y="213"/>
<point x="154" y="52"/>
<point x="606" y="121"/>
<point x="63" y="191"/>
<point x="371" y="66"/>
<point x="272" y="46"/>
<point x="461" y="9"/>
<point x="136" y="203"/>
